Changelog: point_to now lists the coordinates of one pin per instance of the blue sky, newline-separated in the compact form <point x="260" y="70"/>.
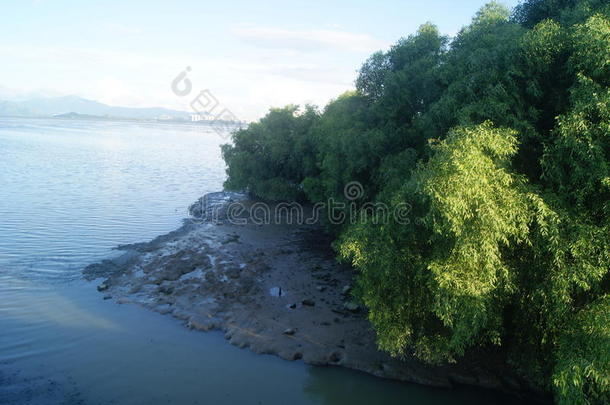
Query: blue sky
<point x="250" y="55"/>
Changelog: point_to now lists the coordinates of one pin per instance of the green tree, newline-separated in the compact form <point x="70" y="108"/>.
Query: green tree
<point x="271" y="158"/>
<point x="471" y="209"/>
<point x="498" y="143"/>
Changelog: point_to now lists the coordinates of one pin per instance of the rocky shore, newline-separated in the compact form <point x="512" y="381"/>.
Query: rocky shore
<point x="274" y="288"/>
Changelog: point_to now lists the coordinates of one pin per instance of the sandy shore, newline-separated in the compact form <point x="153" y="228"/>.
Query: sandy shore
<point x="273" y="288"/>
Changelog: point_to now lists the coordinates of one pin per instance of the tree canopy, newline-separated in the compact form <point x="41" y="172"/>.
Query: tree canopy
<point x="499" y="142"/>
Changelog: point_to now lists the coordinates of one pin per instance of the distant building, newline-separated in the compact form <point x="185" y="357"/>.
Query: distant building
<point x="203" y="116"/>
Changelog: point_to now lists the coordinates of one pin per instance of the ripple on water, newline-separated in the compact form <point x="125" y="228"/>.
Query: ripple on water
<point x="73" y="190"/>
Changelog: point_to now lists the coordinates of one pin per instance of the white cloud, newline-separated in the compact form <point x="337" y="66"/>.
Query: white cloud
<point x="246" y="85"/>
<point x="309" y="40"/>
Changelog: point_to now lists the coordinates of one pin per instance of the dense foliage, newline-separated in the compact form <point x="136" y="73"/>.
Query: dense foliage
<point x="499" y="141"/>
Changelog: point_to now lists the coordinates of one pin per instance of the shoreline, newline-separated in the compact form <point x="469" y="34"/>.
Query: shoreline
<point x="275" y="289"/>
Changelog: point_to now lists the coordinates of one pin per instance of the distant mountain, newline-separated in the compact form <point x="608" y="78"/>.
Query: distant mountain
<point x="52" y="106"/>
<point x="73" y="115"/>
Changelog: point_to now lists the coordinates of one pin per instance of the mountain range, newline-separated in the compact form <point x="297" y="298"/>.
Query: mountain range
<point x="52" y="106"/>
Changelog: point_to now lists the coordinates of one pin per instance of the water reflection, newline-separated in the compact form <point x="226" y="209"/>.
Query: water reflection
<point x="335" y="386"/>
<point x="27" y="303"/>
<point x="72" y="190"/>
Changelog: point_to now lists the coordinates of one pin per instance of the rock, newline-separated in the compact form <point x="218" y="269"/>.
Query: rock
<point x="102" y="287"/>
<point x="107" y="297"/>
<point x="210" y="277"/>
<point x="231" y="239"/>
<point x="320" y="288"/>
<point x="346" y="289"/>
<point x="289" y="331"/>
<point x="104" y="269"/>
<point x="335" y="357"/>
<point x="233" y="273"/>
<point x="351" y="306"/>
<point x="202" y="323"/>
<point x="167" y="290"/>
<point x="292" y="306"/>
<point x="308" y="302"/>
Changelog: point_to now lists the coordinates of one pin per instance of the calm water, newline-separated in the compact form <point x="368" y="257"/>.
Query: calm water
<point x="72" y="190"/>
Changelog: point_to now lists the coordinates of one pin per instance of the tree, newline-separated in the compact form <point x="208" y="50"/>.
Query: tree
<point x="498" y="143"/>
<point x="271" y="158"/>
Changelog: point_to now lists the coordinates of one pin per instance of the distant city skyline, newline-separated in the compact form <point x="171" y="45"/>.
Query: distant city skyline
<point x="251" y="56"/>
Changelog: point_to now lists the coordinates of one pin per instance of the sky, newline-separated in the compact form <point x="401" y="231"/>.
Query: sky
<point x="250" y="55"/>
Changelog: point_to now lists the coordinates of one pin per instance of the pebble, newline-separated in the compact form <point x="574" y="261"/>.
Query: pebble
<point x="308" y="302"/>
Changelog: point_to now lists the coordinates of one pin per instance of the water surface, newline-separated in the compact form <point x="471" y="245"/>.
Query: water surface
<point x="71" y="191"/>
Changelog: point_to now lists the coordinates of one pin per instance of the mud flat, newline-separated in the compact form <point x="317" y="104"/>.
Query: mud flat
<point x="273" y="288"/>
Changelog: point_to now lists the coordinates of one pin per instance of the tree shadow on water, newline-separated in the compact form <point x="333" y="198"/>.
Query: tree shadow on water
<point x="338" y="386"/>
